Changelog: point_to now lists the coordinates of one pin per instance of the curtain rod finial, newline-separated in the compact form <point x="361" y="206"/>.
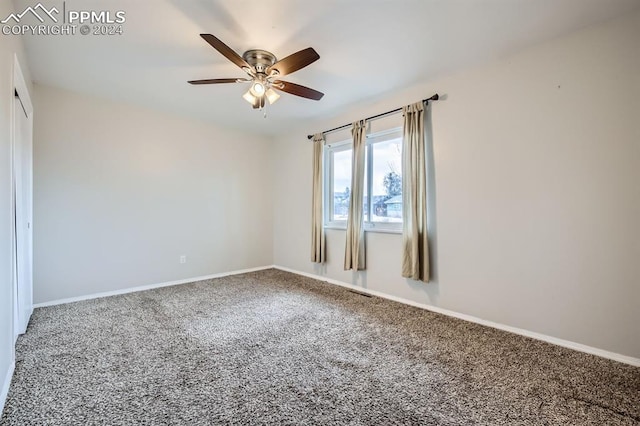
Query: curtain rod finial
<point x="309" y="136"/>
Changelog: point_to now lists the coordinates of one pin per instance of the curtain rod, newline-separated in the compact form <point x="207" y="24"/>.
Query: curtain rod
<point x="433" y="98"/>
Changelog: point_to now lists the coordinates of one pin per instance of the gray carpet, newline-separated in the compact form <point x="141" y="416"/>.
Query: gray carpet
<point x="275" y="348"/>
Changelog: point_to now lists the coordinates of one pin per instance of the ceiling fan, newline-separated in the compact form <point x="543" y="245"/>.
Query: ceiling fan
<point x="264" y="71"/>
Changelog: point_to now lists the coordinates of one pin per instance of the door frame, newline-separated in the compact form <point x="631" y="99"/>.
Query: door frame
<point x="20" y="87"/>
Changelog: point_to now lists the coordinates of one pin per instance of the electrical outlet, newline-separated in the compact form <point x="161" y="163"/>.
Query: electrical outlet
<point x="183" y="258"/>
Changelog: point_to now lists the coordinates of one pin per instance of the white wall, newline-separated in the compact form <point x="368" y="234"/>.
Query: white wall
<point x="120" y="192"/>
<point x="9" y="46"/>
<point x="537" y="192"/>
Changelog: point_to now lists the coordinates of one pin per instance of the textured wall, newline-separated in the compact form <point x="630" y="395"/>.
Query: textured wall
<point x="121" y="192"/>
<point x="536" y="199"/>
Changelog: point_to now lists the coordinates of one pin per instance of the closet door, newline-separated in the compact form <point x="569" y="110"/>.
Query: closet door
<point x="23" y="190"/>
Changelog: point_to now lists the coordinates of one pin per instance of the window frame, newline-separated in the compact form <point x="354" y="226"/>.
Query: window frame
<point x="328" y="181"/>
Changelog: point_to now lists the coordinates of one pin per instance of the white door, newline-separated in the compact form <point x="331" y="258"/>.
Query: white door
<point x="23" y="189"/>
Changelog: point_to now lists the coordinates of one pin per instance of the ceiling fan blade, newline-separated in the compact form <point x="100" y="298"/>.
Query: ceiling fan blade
<point x="296" y="89"/>
<point x="218" y="81"/>
<point x="294" y="62"/>
<point x="226" y="51"/>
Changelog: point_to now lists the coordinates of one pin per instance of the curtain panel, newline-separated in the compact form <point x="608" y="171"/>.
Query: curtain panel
<point x="318" y="247"/>
<point x="415" y="255"/>
<point x="354" y="253"/>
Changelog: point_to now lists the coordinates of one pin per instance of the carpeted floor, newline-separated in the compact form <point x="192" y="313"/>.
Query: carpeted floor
<point x="275" y="348"/>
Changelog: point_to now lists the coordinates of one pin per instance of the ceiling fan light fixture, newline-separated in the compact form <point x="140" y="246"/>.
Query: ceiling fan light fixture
<point x="272" y="96"/>
<point x="250" y="98"/>
<point x="257" y="89"/>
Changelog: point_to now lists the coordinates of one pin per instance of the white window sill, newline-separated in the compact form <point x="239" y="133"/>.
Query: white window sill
<point x="379" y="230"/>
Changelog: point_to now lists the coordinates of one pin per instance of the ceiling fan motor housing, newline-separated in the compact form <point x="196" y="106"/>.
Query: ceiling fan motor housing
<point x="261" y="60"/>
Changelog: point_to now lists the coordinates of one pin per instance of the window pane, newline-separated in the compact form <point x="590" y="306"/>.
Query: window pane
<point x="387" y="181"/>
<point x="341" y="184"/>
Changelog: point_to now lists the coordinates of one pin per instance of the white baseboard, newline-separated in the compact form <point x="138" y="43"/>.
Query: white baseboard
<point x="147" y="287"/>
<point x="538" y="336"/>
<point x="5" y="386"/>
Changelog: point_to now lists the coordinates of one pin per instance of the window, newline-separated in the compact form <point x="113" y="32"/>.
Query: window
<point x="383" y="180"/>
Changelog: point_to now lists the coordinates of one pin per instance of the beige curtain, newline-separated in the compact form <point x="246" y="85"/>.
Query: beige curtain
<point x="317" y="222"/>
<point x="354" y="255"/>
<point x="415" y="257"/>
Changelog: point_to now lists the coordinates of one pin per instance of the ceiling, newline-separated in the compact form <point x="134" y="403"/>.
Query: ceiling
<point x="368" y="48"/>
